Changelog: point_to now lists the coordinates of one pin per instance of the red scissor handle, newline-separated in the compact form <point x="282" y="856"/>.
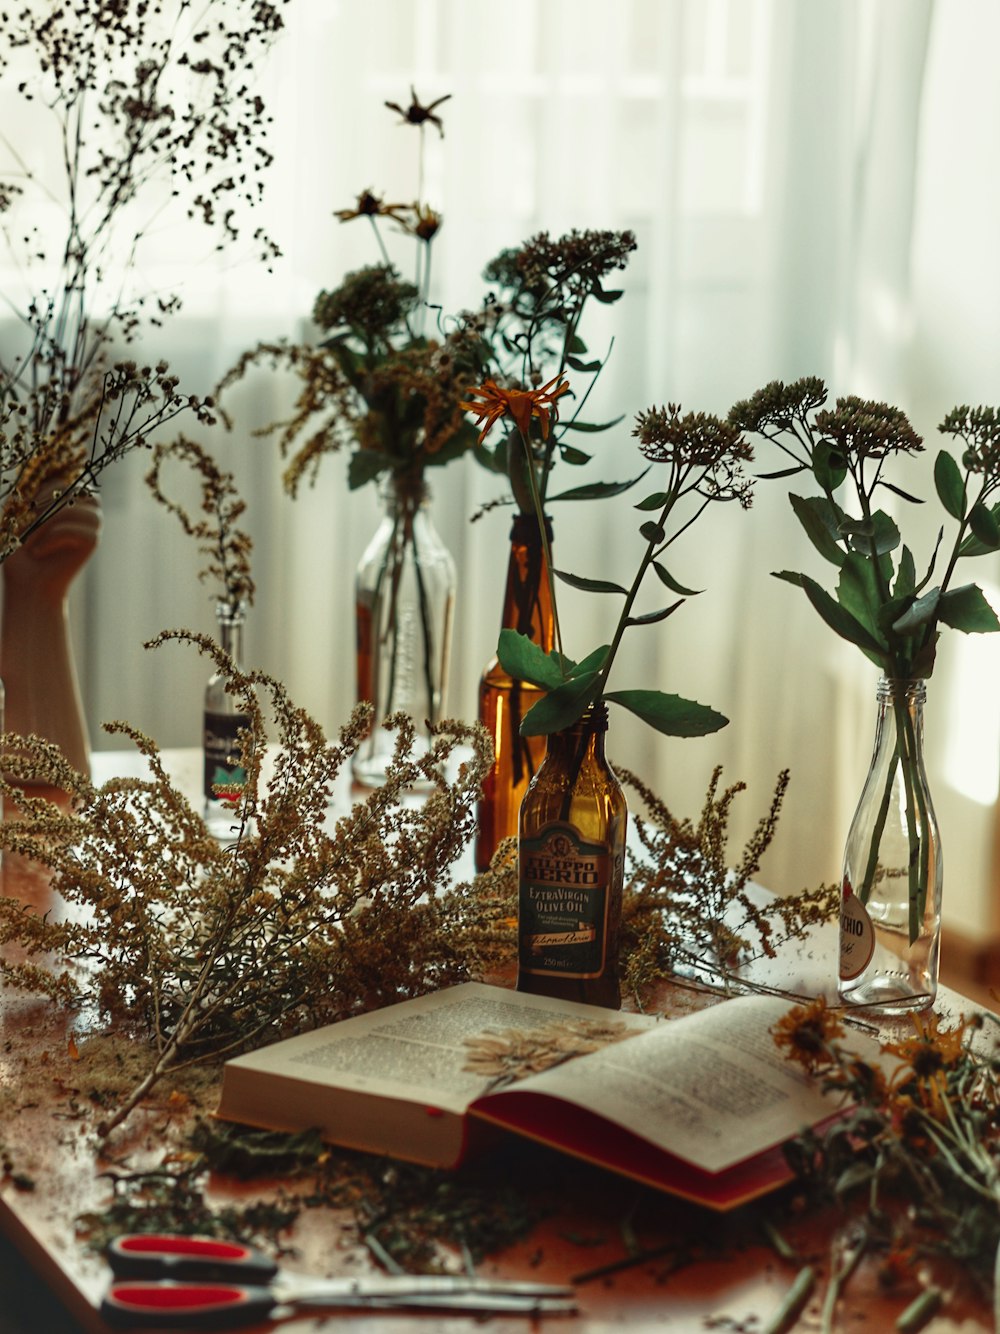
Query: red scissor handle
<point x="192" y="1305"/>
<point x="166" y="1255"/>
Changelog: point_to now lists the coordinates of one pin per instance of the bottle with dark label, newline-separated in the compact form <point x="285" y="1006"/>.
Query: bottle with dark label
<point x="223" y="723"/>
<point x="571" y="864"/>
<point x="503" y="701"/>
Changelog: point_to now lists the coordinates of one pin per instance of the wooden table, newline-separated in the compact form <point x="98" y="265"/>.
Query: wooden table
<point x="53" y="1176"/>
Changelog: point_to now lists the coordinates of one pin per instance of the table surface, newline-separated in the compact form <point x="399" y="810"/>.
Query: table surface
<point x="596" y="1221"/>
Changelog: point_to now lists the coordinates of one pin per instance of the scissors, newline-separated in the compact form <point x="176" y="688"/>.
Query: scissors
<point x="164" y="1281"/>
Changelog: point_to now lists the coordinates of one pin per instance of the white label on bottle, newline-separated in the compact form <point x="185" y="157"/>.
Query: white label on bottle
<point x="857" y="936"/>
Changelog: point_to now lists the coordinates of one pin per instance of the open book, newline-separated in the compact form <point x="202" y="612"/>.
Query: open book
<point x="699" y="1106"/>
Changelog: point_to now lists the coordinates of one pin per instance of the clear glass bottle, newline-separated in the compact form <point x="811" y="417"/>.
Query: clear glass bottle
<point x="503" y="701"/>
<point x="404" y="604"/>
<point x="223" y="721"/>
<point x="890" y="919"/>
<point x="571" y="865"/>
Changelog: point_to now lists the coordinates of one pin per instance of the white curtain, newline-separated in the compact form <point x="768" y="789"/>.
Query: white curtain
<point x="812" y="189"/>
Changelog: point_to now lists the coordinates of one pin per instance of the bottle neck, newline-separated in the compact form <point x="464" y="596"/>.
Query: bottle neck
<point x="584" y="739"/>
<point x="899" y="699"/>
<point x="231" y="623"/>
<point x="527" y="606"/>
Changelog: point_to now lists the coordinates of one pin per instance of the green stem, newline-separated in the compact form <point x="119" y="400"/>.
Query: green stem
<point x="871" y="866"/>
<point x="536" y="501"/>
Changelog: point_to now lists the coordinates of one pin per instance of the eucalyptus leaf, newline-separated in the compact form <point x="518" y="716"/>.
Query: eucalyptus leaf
<point x="589" y="585"/>
<point x="560" y="707"/>
<point x="583" y="367"/>
<point x="966" y="609"/>
<point x="576" y="345"/>
<point x="652" y="532"/>
<point x="669" y="714"/>
<point x="528" y="661"/>
<point x="667" y="579"/>
<point x="949" y="484"/>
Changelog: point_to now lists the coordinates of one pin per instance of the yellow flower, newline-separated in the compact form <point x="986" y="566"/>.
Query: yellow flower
<point x="925" y="1060"/>
<point x="807" y="1031"/>
<point x="518" y="404"/>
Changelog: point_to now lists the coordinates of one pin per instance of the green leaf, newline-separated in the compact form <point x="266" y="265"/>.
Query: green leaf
<point x="782" y="472"/>
<point x="590" y="585"/>
<point x="651" y="617"/>
<point x="576" y="345"/>
<point x="966" y="609"/>
<point x="875" y="536"/>
<point x="922" y="612"/>
<point x="527" y="661"/>
<point x="606" y="294"/>
<point x="839" y="620"/>
<point x="828" y="465"/>
<point x="574" y="425"/>
<point x="593" y="662"/>
<point x="652" y="532"/>
<point x="669" y="714"/>
<point x="972" y="546"/>
<point x="858" y="593"/>
<point x="821" y="520"/>
<point x="654" y="502"/>
<point x="597" y="490"/>
<point x="570" y="454"/>
<point x="949" y="484"/>
<point x="984" y="526"/>
<point x="898" y="491"/>
<point x="583" y="367"/>
<point x="365" y="465"/>
<point x="665" y="578"/>
<point x="906" y="579"/>
<point x="561" y="707"/>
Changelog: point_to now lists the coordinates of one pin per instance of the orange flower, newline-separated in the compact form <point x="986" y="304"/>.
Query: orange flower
<point x="518" y="404"/>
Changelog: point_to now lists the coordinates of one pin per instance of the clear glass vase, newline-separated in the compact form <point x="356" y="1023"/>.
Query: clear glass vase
<point x="404" y="605"/>
<point x="890" y="919"/>
<point x="503" y="701"/>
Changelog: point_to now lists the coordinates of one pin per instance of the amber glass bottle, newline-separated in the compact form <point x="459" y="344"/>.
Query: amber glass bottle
<point x="503" y="702"/>
<point x="571" y="864"/>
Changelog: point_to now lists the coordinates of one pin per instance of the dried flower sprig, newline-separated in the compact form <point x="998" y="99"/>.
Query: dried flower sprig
<point x="225" y="546"/>
<point x="206" y="949"/>
<point x="688" y="908"/>
<point x="703" y="458"/>
<point x="917" y="1162"/>
<point x="539" y="294"/>
<point x="135" y="95"/>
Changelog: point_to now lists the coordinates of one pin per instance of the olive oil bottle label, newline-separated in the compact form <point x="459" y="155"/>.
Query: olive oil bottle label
<point x="222" y="750"/>
<point x="563" y="903"/>
<point x="857" y="935"/>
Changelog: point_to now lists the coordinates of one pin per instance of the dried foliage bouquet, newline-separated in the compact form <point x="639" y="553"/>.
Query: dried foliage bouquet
<point x="204" y="950"/>
<point x="149" y="111"/>
<point x="916" y="1163"/>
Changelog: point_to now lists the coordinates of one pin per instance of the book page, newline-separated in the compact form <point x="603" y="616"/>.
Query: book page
<point x="712" y="1087"/>
<point x="417" y="1049"/>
